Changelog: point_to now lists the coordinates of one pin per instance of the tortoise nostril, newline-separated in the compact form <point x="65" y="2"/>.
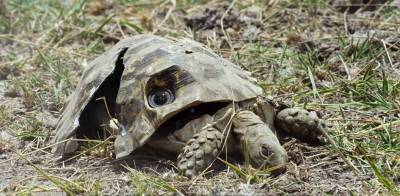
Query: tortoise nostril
<point x="266" y="151"/>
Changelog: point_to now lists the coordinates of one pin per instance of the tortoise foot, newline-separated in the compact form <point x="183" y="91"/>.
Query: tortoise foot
<point x="300" y="123"/>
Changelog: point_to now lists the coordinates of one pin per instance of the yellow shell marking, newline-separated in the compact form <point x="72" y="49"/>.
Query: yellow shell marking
<point x="160" y="83"/>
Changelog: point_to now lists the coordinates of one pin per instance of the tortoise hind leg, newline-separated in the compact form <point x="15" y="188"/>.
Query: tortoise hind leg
<point x="259" y="142"/>
<point x="300" y="123"/>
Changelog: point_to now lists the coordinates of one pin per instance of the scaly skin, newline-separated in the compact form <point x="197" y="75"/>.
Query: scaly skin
<point x="259" y="142"/>
<point x="256" y="137"/>
<point x="200" y="151"/>
<point x="301" y="124"/>
<point x="263" y="147"/>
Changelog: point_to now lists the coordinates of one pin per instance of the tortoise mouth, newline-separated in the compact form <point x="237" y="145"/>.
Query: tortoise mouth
<point x="183" y="117"/>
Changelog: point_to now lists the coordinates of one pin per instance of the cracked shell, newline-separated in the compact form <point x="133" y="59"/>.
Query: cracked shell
<point x="130" y="71"/>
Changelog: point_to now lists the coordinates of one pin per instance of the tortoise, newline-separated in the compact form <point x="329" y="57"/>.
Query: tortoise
<point x="177" y="96"/>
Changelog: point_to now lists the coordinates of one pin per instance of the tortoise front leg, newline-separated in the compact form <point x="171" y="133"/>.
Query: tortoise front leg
<point x="204" y="147"/>
<point x="259" y="142"/>
<point x="200" y="151"/>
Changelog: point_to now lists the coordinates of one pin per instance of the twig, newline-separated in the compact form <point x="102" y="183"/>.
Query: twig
<point x="346" y="29"/>
<point x="166" y="16"/>
<point x="346" y="68"/>
<point x="388" y="55"/>
<point x="222" y="24"/>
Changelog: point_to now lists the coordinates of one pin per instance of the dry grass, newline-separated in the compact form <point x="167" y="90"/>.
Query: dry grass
<point x="345" y="66"/>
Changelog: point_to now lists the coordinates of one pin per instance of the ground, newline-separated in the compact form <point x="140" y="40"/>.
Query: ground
<point x="339" y="58"/>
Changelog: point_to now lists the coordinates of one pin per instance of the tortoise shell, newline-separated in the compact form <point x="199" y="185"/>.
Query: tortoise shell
<point x="146" y="81"/>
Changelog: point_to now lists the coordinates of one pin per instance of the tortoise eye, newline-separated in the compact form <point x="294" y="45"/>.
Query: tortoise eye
<point x="160" y="97"/>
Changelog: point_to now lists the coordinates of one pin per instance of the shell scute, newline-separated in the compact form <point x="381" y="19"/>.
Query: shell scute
<point x="198" y="76"/>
